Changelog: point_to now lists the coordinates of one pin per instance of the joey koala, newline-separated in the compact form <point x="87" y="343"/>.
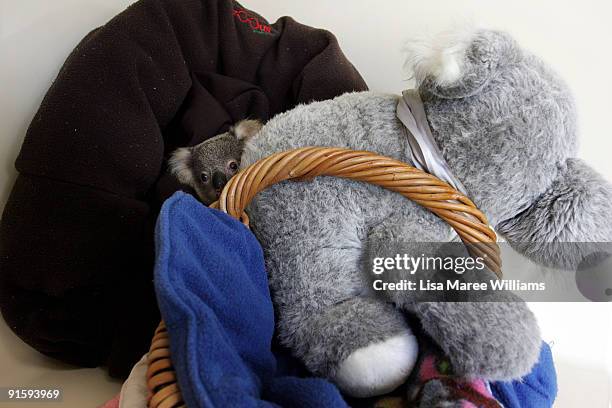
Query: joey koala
<point x="505" y="125"/>
<point x="208" y="166"/>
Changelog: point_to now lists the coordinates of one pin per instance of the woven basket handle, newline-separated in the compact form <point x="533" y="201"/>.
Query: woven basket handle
<point x="305" y="163"/>
<point x="437" y="196"/>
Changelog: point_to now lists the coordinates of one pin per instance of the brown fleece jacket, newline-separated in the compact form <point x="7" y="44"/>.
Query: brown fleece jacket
<point x="76" y="237"/>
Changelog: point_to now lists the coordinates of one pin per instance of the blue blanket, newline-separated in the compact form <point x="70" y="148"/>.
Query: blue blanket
<point x="536" y="390"/>
<point x="213" y="295"/>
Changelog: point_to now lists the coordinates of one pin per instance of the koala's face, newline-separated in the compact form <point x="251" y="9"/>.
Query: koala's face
<point x="213" y="162"/>
<point x="208" y="166"/>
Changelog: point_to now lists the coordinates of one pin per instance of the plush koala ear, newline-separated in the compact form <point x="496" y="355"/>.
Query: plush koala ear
<point x="458" y="63"/>
<point x="180" y="165"/>
<point x="574" y="210"/>
<point x="246" y="129"/>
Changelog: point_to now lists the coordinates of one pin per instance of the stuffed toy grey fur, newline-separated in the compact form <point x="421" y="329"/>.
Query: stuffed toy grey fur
<point x="505" y="124"/>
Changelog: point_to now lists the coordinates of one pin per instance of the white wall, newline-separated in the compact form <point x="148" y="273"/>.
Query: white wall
<point x="575" y="37"/>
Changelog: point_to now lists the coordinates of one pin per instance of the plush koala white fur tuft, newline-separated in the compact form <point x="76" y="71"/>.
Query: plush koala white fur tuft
<point x="180" y="165"/>
<point x="378" y="368"/>
<point x="440" y="56"/>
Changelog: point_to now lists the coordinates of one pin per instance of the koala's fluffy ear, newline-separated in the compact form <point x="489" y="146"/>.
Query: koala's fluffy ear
<point x="180" y="165"/>
<point x="246" y="129"/>
<point x="459" y="63"/>
<point x="576" y="209"/>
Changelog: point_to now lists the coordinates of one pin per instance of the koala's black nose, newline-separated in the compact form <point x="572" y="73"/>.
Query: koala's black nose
<point x="219" y="179"/>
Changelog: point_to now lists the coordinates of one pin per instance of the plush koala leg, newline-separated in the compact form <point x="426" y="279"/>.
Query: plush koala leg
<point x="325" y="314"/>
<point x="365" y="343"/>
<point x="361" y="343"/>
<point x="496" y="338"/>
<point x="492" y="340"/>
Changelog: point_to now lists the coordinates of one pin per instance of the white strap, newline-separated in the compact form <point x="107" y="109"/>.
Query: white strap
<point x="424" y="151"/>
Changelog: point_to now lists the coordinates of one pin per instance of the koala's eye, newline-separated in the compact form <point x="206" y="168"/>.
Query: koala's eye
<point x="233" y="165"/>
<point x="204" y="177"/>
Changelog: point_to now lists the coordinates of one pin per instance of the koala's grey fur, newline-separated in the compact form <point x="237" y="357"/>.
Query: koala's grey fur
<point x="507" y="129"/>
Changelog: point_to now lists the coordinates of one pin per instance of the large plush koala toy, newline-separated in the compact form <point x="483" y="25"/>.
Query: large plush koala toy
<point x="505" y="125"/>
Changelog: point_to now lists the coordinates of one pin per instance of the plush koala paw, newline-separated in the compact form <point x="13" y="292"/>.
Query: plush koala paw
<point x="378" y="368"/>
<point x="496" y="340"/>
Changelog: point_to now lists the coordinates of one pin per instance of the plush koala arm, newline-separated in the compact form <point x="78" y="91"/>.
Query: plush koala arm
<point x="576" y="209"/>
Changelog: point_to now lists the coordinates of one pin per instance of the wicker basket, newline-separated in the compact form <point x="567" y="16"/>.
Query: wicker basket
<point x="300" y="164"/>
